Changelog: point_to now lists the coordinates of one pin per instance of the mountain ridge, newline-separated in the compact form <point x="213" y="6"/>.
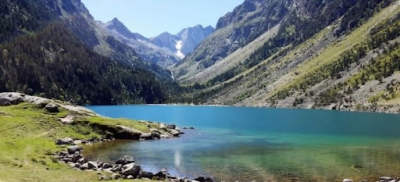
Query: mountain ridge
<point x="164" y="49"/>
<point x="59" y="53"/>
<point x="309" y="61"/>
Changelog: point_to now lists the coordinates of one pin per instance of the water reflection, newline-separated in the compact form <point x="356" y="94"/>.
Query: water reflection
<point x="248" y="144"/>
<point x="177" y="158"/>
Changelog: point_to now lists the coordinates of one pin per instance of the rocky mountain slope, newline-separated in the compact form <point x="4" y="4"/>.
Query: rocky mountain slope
<point x="235" y="30"/>
<point x="142" y="45"/>
<point x="165" y="49"/>
<point x="185" y="41"/>
<point x="55" y="49"/>
<point x="337" y="54"/>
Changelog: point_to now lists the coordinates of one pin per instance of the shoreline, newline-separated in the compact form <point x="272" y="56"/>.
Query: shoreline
<point x="83" y="117"/>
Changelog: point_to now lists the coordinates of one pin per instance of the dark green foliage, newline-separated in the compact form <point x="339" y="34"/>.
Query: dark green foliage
<point x="381" y="67"/>
<point x="55" y="64"/>
<point x="20" y="16"/>
<point x="45" y="52"/>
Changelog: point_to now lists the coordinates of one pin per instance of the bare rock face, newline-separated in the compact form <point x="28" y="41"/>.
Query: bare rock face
<point x="51" y="107"/>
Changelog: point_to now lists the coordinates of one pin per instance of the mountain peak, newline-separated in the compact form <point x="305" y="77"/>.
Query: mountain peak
<point x="119" y="27"/>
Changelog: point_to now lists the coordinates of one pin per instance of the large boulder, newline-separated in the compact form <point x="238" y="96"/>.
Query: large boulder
<point x="175" y="133"/>
<point x="84" y="166"/>
<point x="51" y="107"/>
<point x="131" y="169"/>
<point x="82" y="161"/>
<point x="10" y="98"/>
<point x="171" y="126"/>
<point x="146" y="136"/>
<point x="5" y="102"/>
<point x="68" y="119"/>
<point x="76" y="157"/>
<point x="64" y="141"/>
<point x="92" y="165"/>
<point x="73" y="149"/>
<point x="107" y="166"/>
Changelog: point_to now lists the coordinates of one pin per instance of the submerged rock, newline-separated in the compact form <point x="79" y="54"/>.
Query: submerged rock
<point x="125" y="160"/>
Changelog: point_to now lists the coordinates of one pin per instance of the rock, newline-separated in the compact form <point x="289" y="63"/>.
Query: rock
<point x="130" y="177"/>
<point x="156" y="135"/>
<point x="84" y="166"/>
<point x="200" y="179"/>
<point x="127" y="129"/>
<point x="172" y="126"/>
<point x="162" y="125"/>
<point x="92" y="165"/>
<point x="165" y="136"/>
<point x="67" y="159"/>
<point x="76" y="157"/>
<point x="117" y="168"/>
<point x="68" y="119"/>
<point x="203" y="179"/>
<point x="131" y="169"/>
<point x="82" y="161"/>
<point x="10" y="98"/>
<point x="144" y="174"/>
<point x="163" y="174"/>
<point x="192" y="128"/>
<point x="107" y="166"/>
<point x="347" y="180"/>
<point x="71" y="164"/>
<point x="146" y="136"/>
<point x="175" y="133"/>
<point x="51" y="107"/>
<point x="64" y="141"/>
<point x="125" y="160"/>
<point x="386" y="178"/>
<point x="5" y="102"/>
<point x="73" y="149"/>
<point x="115" y="176"/>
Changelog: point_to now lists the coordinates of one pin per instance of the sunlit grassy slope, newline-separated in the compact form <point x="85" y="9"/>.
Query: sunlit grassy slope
<point x="27" y="136"/>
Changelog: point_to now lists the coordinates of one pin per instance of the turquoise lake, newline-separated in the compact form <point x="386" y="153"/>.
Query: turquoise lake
<point x="262" y="144"/>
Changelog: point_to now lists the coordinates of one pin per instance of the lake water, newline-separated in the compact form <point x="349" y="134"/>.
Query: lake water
<point x="245" y="144"/>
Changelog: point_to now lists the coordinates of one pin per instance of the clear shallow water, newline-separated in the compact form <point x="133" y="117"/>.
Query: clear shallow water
<point x="232" y="143"/>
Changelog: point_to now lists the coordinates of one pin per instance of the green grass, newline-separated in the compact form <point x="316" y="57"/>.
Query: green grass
<point x="27" y="135"/>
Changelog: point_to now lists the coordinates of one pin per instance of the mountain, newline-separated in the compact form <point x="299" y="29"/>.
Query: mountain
<point x="336" y="54"/>
<point x="165" y="49"/>
<point x="55" y="49"/>
<point x="185" y="41"/>
<point x="142" y="45"/>
<point x="235" y="30"/>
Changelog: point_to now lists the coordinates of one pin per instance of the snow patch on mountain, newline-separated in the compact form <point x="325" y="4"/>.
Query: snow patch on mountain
<point x="178" y="47"/>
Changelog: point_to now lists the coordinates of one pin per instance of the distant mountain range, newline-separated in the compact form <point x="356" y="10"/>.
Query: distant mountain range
<point x="165" y="49"/>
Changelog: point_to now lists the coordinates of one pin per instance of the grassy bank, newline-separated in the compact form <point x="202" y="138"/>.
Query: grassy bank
<point x="27" y="135"/>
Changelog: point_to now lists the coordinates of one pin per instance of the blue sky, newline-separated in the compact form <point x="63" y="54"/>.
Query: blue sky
<point x="152" y="17"/>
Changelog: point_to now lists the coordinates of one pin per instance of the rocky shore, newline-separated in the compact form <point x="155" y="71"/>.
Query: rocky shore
<point x="124" y="168"/>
